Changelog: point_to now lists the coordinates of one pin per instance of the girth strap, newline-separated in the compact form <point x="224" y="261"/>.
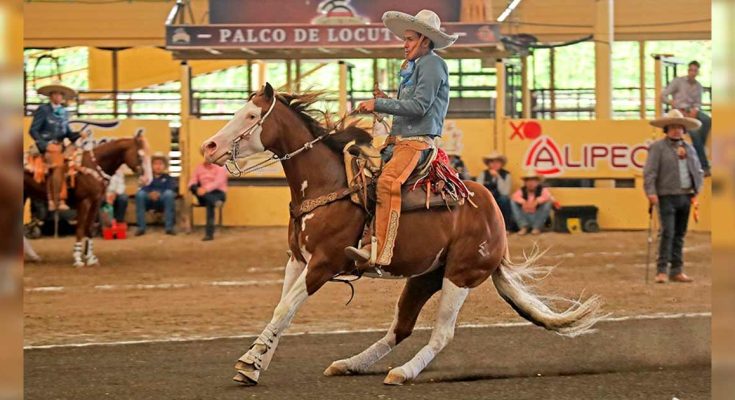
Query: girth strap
<point x="310" y="205"/>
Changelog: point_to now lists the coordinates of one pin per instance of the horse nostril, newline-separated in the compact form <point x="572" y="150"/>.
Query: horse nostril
<point x="209" y="147"/>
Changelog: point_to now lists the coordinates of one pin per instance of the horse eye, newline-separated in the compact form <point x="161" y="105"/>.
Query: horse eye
<point x="251" y="116"/>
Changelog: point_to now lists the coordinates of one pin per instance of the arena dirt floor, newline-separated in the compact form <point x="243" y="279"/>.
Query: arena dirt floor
<point x="171" y="293"/>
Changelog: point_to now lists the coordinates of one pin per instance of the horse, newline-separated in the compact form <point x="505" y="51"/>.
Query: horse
<point x="447" y="250"/>
<point x="94" y="169"/>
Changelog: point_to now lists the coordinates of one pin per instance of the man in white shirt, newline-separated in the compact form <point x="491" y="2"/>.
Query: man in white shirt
<point x="116" y="196"/>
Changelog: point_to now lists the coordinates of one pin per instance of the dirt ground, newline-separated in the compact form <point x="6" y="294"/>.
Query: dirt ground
<point x="158" y="287"/>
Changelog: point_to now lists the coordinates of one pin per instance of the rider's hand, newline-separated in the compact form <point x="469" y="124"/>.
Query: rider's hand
<point x="653" y="199"/>
<point x="201" y="191"/>
<point x="367" y="106"/>
<point x="154" y="196"/>
<point x="377" y="93"/>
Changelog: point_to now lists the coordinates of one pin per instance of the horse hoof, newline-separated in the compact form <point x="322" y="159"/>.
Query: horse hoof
<point x="79" y="264"/>
<point x="241" y="366"/>
<point x="247" y="378"/>
<point x="95" y="263"/>
<point x="395" y="377"/>
<point x="338" y="368"/>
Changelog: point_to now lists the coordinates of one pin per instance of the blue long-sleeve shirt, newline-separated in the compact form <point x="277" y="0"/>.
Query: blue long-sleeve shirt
<point x="50" y="125"/>
<point x="423" y="99"/>
<point x="161" y="183"/>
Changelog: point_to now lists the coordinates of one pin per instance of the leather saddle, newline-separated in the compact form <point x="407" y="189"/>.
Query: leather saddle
<point x="363" y="164"/>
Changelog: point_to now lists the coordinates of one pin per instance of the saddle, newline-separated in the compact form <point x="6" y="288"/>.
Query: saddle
<point x="433" y="183"/>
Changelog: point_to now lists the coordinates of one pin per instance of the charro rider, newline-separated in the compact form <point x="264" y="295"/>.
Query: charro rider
<point x="423" y="99"/>
<point x="49" y="128"/>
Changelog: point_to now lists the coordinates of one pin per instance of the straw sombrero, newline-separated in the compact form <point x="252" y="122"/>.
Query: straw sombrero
<point x="426" y="22"/>
<point x="494" y="155"/>
<point x="159" y="155"/>
<point x="675" y="117"/>
<point x="532" y="175"/>
<point x="57" y="86"/>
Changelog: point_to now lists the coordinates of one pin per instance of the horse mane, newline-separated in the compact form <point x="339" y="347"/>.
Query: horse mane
<point x="319" y="122"/>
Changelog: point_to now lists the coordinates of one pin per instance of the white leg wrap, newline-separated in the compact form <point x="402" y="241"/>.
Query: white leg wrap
<point x="260" y="353"/>
<point x="78" y="255"/>
<point x="89" y="257"/>
<point x="361" y="362"/>
<point x="450" y="303"/>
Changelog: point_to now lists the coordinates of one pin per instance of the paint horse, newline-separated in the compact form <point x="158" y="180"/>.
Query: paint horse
<point x="452" y="251"/>
<point x="94" y="169"/>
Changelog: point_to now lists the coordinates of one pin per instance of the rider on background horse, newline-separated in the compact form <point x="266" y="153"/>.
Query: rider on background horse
<point x="423" y="99"/>
<point x="49" y="128"/>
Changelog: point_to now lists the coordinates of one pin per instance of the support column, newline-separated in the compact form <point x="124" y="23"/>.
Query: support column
<point x="642" y="78"/>
<point x="185" y="145"/>
<point x="262" y="75"/>
<point x="525" y="90"/>
<point x="552" y="82"/>
<point x="115" y="83"/>
<point x="342" y="88"/>
<point x="604" y="29"/>
<point x="499" y="101"/>
<point x="289" y="77"/>
<point x="298" y="75"/>
<point x="658" y="66"/>
<point x="249" y="79"/>
<point x="376" y="77"/>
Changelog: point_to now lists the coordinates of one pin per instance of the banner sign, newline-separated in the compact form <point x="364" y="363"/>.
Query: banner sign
<point x="310" y="36"/>
<point x="557" y="149"/>
<point x="318" y="12"/>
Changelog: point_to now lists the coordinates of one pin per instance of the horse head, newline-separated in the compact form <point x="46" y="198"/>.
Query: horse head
<point x="138" y="157"/>
<point x="246" y="133"/>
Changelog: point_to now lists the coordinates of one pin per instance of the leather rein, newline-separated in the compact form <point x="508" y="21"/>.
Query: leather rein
<point x="307" y="205"/>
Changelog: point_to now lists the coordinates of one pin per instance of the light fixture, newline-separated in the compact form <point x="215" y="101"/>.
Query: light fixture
<point x="512" y="6"/>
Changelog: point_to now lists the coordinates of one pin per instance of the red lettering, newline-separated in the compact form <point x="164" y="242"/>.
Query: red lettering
<point x="634" y="155"/>
<point x="618" y="153"/>
<point x="517" y="130"/>
<point x="568" y="158"/>
<point x="597" y="152"/>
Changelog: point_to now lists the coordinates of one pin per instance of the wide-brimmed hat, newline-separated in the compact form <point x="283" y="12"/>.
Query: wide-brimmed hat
<point x="426" y="22"/>
<point x="494" y="155"/>
<point x="57" y="86"/>
<point x="532" y="175"/>
<point x="159" y="155"/>
<point x="675" y="117"/>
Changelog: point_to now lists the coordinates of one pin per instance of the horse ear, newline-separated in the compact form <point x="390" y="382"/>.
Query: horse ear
<point x="268" y="91"/>
<point x="139" y="133"/>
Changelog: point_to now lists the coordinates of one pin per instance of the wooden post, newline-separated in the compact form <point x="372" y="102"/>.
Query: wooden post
<point x="342" y="88"/>
<point x="249" y="82"/>
<point x="376" y="78"/>
<point x="289" y="77"/>
<point x="604" y="29"/>
<point x="657" y="86"/>
<point x="525" y="90"/>
<point x="499" y="100"/>
<point x="298" y="75"/>
<point x="642" y="72"/>
<point x="552" y="82"/>
<point x="262" y="75"/>
<point x="185" y="145"/>
<point x="115" y="84"/>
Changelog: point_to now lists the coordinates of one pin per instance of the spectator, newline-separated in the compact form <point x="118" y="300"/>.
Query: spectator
<point x="686" y="96"/>
<point x="455" y="160"/>
<point x="209" y="184"/>
<point x="498" y="181"/>
<point x="159" y="195"/>
<point x="531" y="204"/>
<point x="116" y="196"/>
<point x="672" y="178"/>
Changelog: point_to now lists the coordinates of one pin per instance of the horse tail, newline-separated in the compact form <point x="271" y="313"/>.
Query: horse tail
<point x="514" y="283"/>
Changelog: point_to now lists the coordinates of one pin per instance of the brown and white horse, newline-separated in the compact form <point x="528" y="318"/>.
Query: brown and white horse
<point x="452" y="251"/>
<point x="94" y="172"/>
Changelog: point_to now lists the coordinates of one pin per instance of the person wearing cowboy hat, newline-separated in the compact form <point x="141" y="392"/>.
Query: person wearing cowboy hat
<point x="49" y="128"/>
<point x="672" y="178"/>
<point x="531" y="204"/>
<point x="498" y="181"/>
<point x="456" y="162"/>
<point x="159" y="195"/>
<point x="419" y="112"/>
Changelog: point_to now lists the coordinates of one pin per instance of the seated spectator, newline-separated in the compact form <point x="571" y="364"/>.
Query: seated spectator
<point x="115" y="195"/>
<point x="159" y="195"/>
<point x="209" y="184"/>
<point x="531" y="204"/>
<point x="455" y="160"/>
<point x="498" y="181"/>
<point x="686" y="96"/>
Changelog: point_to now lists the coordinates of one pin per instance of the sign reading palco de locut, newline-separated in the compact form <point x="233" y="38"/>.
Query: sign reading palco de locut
<point x="293" y="36"/>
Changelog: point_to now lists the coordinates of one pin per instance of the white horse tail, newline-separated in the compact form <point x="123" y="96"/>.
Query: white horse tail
<point x="514" y="284"/>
